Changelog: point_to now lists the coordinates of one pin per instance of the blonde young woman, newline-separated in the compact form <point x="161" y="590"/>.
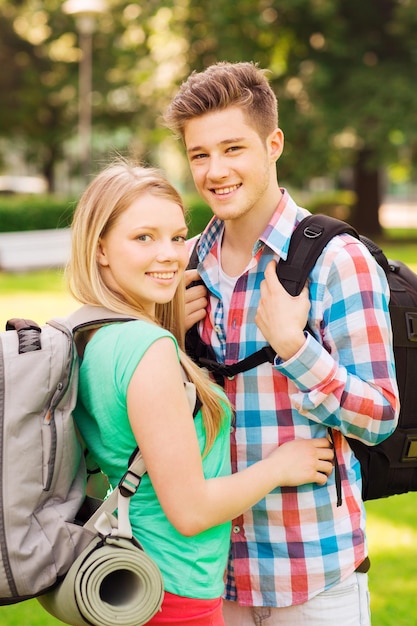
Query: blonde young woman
<point x="129" y="255"/>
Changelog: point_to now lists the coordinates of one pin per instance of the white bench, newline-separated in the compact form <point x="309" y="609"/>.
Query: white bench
<point x="37" y="249"/>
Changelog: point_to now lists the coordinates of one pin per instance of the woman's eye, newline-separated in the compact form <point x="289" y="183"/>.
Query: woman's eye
<point x="180" y="238"/>
<point x="143" y="237"/>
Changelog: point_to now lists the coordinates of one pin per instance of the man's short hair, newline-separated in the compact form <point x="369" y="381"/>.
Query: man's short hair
<point x="223" y="85"/>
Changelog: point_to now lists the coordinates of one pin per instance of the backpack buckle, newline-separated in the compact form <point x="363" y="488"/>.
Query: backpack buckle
<point x="411" y="322"/>
<point x="129" y="484"/>
<point x="410" y="449"/>
<point x="312" y="232"/>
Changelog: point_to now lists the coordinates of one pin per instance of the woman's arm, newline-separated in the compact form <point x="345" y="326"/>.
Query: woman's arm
<point x="163" y="427"/>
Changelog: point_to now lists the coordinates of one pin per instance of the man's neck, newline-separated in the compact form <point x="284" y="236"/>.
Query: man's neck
<point x="239" y="238"/>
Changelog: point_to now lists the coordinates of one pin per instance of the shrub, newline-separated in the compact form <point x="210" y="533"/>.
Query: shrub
<point x="199" y="214"/>
<point x="29" y="212"/>
<point x="338" y="203"/>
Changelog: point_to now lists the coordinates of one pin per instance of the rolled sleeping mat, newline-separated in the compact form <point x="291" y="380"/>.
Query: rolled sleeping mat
<point x="112" y="582"/>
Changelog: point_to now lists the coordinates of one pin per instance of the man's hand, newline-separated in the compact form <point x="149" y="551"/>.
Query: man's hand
<point x="195" y="299"/>
<point x="280" y="317"/>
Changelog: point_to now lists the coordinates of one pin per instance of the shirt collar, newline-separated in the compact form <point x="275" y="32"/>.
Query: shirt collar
<point x="280" y="228"/>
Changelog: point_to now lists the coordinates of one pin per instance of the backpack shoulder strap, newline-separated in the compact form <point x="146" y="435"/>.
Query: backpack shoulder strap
<point x="88" y="316"/>
<point x="102" y="520"/>
<point x="307" y="242"/>
<point x="193" y="261"/>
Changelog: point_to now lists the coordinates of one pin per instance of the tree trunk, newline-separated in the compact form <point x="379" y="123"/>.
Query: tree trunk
<point x="48" y="168"/>
<point x="367" y="186"/>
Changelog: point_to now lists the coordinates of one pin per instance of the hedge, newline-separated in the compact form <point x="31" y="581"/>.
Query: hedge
<point x="18" y="212"/>
<point x="33" y="212"/>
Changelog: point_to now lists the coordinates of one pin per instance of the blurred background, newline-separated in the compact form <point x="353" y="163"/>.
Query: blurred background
<point x="84" y="80"/>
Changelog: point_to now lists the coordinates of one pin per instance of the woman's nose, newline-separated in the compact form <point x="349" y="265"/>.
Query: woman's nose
<point x="167" y="251"/>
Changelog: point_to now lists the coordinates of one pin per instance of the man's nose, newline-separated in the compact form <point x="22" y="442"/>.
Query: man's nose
<point x="217" y="168"/>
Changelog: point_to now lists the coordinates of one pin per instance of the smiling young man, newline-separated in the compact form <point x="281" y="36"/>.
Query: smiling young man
<point x="299" y="556"/>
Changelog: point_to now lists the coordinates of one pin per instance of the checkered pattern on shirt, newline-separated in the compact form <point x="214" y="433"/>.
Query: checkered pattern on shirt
<point x="296" y="542"/>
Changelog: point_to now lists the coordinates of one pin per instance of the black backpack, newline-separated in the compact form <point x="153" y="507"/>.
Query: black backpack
<point x="390" y="467"/>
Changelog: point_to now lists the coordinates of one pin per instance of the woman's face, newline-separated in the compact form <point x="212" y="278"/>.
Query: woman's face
<point x="143" y="256"/>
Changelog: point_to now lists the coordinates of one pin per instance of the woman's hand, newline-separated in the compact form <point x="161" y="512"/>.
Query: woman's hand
<point x="302" y="461"/>
<point x="195" y="299"/>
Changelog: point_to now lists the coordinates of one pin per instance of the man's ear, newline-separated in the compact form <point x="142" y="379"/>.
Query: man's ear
<point x="275" y="144"/>
<point x="101" y="254"/>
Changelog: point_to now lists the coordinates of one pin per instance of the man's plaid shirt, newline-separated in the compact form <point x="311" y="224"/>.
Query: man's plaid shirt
<point x="296" y="542"/>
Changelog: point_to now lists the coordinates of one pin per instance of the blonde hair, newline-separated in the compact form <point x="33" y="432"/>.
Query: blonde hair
<point x="223" y="85"/>
<point x="104" y="200"/>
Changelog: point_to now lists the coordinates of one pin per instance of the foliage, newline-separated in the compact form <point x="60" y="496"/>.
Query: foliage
<point x="336" y="203"/>
<point x="344" y="72"/>
<point x="135" y="58"/>
<point x="33" y="212"/>
<point x="326" y="86"/>
<point x="199" y="214"/>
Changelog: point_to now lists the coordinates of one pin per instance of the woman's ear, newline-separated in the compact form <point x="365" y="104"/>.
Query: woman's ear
<point x="101" y="254"/>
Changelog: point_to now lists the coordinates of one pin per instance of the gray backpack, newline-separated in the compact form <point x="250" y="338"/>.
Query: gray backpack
<point x="43" y="474"/>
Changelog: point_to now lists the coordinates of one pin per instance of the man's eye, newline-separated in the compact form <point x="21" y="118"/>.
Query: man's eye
<point x="197" y="157"/>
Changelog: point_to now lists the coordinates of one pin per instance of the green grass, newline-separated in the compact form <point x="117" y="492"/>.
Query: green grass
<point x="392" y="538"/>
<point x="32" y="282"/>
<point x="35" y="295"/>
<point x="29" y="613"/>
<point x="391" y="529"/>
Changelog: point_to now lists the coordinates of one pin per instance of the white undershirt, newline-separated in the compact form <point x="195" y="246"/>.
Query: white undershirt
<point x="227" y="284"/>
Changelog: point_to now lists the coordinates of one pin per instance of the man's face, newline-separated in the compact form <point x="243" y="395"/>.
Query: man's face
<point x="232" y="166"/>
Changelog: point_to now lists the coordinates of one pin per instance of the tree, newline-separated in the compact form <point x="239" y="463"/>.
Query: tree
<point x="39" y="54"/>
<point x="34" y="104"/>
<point x="360" y="82"/>
<point x="345" y="73"/>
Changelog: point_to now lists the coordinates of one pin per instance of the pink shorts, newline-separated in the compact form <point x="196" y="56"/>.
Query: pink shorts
<point x="188" y="612"/>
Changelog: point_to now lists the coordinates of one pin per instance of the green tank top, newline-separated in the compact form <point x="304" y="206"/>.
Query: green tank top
<point x="191" y="566"/>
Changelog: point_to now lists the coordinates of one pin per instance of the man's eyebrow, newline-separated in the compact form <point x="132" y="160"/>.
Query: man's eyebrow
<point x="225" y="142"/>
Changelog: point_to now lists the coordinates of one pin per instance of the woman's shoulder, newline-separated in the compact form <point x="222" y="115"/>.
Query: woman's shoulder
<point x="133" y="328"/>
<point x="123" y="338"/>
<point x="117" y="349"/>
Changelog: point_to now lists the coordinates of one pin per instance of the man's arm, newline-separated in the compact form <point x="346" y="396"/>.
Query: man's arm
<point x="344" y="375"/>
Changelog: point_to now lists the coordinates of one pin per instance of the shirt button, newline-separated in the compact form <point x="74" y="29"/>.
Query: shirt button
<point x="236" y="529"/>
<point x="217" y="329"/>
